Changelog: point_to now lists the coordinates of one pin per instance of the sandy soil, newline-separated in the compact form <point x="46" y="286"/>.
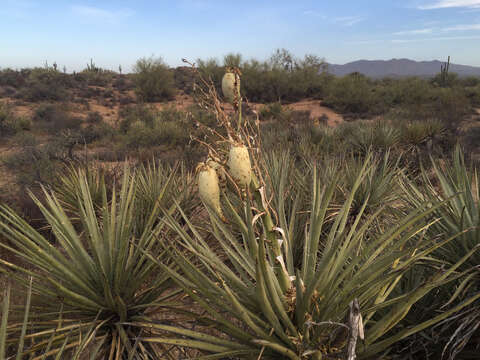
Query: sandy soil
<point x="181" y="102"/>
<point x="317" y="111"/>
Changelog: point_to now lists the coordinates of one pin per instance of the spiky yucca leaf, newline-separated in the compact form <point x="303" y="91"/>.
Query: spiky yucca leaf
<point x="260" y="303"/>
<point x="97" y="271"/>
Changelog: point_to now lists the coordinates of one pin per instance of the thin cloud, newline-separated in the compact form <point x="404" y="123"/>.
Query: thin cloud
<point x="110" y="16"/>
<point x="414" y="32"/>
<point x="443" y="38"/>
<point x="444" y="4"/>
<point x="348" y="20"/>
<point x="365" y="42"/>
<point x="314" y="13"/>
<point x="464" y="27"/>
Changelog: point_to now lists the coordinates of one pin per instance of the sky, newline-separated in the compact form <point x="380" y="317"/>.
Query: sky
<point x="119" y="32"/>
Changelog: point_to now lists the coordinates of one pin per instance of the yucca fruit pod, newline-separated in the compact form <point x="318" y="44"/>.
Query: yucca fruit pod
<point x="239" y="165"/>
<point x="209" y="188"/>
<point x="231" y="86"/>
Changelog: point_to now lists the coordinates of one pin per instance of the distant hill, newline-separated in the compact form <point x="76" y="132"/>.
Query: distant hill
<point x="400" y="68"/>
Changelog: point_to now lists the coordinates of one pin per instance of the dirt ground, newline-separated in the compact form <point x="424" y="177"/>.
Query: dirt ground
<point x="181" y="102"/>
<point x="317" y="111"/>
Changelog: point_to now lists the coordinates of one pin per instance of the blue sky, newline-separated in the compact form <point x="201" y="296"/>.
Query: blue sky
<point x="120" y="32"/>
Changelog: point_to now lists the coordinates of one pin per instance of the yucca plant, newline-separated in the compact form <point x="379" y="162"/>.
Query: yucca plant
<point x="379" y="136"/>
<point x="418" y="133"/>
<point x="458" y="186"/>
<point x="159" y="185"/>
<point x="68" y="186"/>
<point x="258" y="303"/>
<point x="379" y="187"/>
<point x="98" y="271"/>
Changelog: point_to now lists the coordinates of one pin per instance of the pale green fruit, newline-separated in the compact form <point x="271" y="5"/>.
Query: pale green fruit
<point x="230" y="92"/>
<point x="239" y="165"/>
<point x="209" y="188"/>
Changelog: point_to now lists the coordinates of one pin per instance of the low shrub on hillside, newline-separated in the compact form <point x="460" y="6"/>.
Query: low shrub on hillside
<point x="13" y="78"/>
<point x="53" y="119"/>
<point x="353" y="93"/>
<point x="9" y="123"/>
<point x="451" y="106"/>
<point x="153" y="79"/>
<point x="131" y="114"/>
<point x="46" y="85"/>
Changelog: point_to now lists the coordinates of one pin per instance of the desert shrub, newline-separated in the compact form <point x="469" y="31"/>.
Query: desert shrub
<point x="32" y="163"/>
<point x="212" y="70"/>
<point x="199" y="116"/>
<point x="8" y="91"/>
<point x="451" y="106"/>
<point x="140" y="112"/>
<point x="144" y="127"/>
<point x="9" y="123"/>
<point x="94" y="117"/>
<point x="448" y="80"/>
<point x="93" y="78"/>
<point x="139" y="135"/>
<point x="184" y="78"/>
<point x="172" y="133"/>
<point x="93" y="75"/>
<point x="122" y="83"/>
<point x="170" y="114"/>
<point x="351" y="94"/>
<point x="287" y="78"/>
<point x="470" y="81"/>
<point x="46" y="85"/>
<point x="281" y="78"/>
<point x="95" y="132"/>
<point x="473" y="95"/>
<point x="471" y="138"/>
<point x="53" y="119"/>
<point x="154" y="80"/>
<point x="13" y="78"/>
<point x="271" y="111"/>
<point x="36" y="163"/>
<point x="126" y="100"/>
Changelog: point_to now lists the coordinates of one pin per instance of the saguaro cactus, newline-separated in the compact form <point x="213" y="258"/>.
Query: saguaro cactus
<point x="444" y="73"/>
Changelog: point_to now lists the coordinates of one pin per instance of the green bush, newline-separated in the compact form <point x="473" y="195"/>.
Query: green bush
<point x="46" y="85"/>
<point x="53" y="119"/>
<point x="451" y="106"/>
<point x="170" y="133"/>
<point x="9" y="123"/>
<point x="352" y="94"/>
<point x="271" y="111"/>
<point x="139" y="112"/>
<point x="94" y="117"/>
<point x="13" y="78"/>
<point x="154" y="80"/>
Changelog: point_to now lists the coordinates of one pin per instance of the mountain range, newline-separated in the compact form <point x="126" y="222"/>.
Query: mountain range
<point x="400" y="68"/>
